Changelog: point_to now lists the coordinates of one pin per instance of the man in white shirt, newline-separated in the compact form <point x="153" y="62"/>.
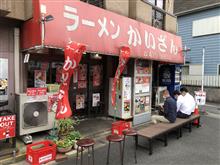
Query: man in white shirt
<point x="185" y="104"/>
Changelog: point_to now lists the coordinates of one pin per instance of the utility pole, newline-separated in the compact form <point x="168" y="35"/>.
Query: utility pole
<point x="203" y="66"/>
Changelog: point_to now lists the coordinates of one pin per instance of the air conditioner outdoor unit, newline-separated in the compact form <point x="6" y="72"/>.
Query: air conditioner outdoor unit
<point x="32" y="114"/>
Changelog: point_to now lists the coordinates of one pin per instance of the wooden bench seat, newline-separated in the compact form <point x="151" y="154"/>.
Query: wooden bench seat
<point x="162" y="129"/>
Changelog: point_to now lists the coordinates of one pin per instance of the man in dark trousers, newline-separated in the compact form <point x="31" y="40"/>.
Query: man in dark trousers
<point x="169" y="109"/>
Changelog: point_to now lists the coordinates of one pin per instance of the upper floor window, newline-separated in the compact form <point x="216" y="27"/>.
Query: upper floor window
<point x="206" y="26"/>
<point x="98" y="3"/>
<point x="157" y="19"/>
<point x="158" y="3"/>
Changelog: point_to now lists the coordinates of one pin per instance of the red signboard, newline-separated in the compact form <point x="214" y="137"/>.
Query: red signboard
<point x="31" y="91"/>
<point x="41" y="91"/>
<point x="36" y="91"/>
<point x="7" y="126"/>
<point x="105" y="32"/>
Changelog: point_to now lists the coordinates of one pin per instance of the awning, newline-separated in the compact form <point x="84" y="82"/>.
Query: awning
<point x="100" y="30"/>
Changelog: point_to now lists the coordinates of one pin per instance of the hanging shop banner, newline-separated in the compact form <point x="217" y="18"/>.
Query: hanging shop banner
<point x="73" y="54"/>
<point x="123" y="59"/>
<point x="101" y="31"/>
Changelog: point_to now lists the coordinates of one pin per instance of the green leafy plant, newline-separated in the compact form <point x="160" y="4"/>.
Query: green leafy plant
<point x="64" y="143"/>
<point x="66" y="134"/>
<point x="65" y="126"/>
<point x="74" y="135"/>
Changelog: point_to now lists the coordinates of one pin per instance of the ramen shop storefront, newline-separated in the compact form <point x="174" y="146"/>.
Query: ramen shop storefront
<point x="104" y="34"/>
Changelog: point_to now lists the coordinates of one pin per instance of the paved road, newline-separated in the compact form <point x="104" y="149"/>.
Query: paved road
<point x="201" y="147"/>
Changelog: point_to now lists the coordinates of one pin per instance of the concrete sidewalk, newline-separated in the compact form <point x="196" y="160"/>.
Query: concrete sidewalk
<point x="201" y="147"/>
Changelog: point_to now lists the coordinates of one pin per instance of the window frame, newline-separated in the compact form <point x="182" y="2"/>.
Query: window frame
<point x="218" y="69"/>
<point x="154" y="17"/>
<point x="155" y="3"/>
<point x="101" y="3"/>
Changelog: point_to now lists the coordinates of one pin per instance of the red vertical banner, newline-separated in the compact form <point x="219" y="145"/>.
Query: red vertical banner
<point x="73" y="54"/>
<point x="124" y="56"/>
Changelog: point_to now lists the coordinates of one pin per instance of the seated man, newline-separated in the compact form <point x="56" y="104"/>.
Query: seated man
<point x="169" y="109"/>
<point x="185" y="104"/>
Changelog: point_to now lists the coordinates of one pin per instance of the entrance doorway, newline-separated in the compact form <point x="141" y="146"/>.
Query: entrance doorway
<point x="88" y="87"/>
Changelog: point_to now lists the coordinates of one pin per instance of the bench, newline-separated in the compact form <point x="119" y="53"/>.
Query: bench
<point x="162" y="129"/>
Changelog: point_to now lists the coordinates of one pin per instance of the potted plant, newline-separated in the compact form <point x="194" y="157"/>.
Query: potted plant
<point x="64" y="145"/>
<point x="64" y="127"/>
<point x="74" y="136"/>
<point x="66" y="134"/>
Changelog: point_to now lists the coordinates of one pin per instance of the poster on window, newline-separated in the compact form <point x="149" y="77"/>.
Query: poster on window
<point x="52" y="103"/>
<point x="82" y="72"/>
<point x="80" y="101"/>
<point x="82" y="84"/>
<point x="97" y="75"/>
<point x="59" y="73"/>
<point x="142" y="104"/>
<point x="142" y="84"/>
<point x="75" y="76"/>
<point x="44" y="65"/>
<point x="39" y="78"/>
<point x="143" y="67"/>
<point x="95" y="99"/>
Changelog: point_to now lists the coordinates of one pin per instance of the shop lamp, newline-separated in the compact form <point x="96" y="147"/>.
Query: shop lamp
<point x="43" y="20"/>
<point x="48" y="18"/>
<point x="97" y="56"/>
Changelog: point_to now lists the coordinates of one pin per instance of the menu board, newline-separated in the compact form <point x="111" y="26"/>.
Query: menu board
<point x="142" y="104"/>
<point x="142" y="84"/>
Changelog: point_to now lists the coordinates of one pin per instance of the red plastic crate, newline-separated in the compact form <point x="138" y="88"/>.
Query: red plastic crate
<point x="41" y="152"/>
<point x="119" y="126"/>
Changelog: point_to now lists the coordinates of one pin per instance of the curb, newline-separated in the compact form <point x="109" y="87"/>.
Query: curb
<point x="12" y="160"/>
<point x="99" y="137"/>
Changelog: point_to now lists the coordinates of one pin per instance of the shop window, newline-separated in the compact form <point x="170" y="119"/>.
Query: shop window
<point x="98" y="3"/>
<point x="42" y="73"/>
<point x="3" y="78"/>
<point x="157" y="19"/>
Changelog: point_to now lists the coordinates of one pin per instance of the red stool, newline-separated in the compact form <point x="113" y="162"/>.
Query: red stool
<point x="85" y="143"/>
<point x="132" y="133"/>
<point x="115" y="139"/>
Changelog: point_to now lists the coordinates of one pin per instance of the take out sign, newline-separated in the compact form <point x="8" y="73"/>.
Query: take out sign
<point x="7" y="121"/>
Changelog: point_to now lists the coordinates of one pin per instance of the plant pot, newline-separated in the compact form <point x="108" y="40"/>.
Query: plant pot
<point x="64" y="150"/>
